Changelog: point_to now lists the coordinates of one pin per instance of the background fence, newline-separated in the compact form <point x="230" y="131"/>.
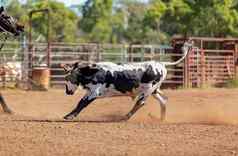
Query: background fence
<point x="68" y="53"/>
<point x="212" y="61"/>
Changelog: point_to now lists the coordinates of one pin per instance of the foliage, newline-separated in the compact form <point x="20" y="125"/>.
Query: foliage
<point x="176" y="19"/>
<point x="134" y="15"/>
<point x="132" y="21"/>
<point x="232" y="83"/>
<point x="214" y="18"/>
<point x="95" y="20"/>
<point x="152" y="22"/>
<point x="63" y="27"/>
<point x="63" y="20"/>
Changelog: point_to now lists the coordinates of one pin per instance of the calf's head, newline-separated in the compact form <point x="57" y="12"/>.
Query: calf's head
<point x="78" y="74"/>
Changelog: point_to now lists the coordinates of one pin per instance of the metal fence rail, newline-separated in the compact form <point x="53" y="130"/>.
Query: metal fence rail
<point x="201" y="66"/>
<point x="61" y="53"/>
<point x="71" y="52"/>
<point x="210" y="67"/>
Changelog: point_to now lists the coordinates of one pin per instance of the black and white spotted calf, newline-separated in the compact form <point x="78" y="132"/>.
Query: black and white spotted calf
<point x="106" y="79"/>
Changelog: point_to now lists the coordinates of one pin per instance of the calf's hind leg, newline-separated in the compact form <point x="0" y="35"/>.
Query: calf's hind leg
<point x="162" y="100"/>
<point x="148" y="90"/>
<point x="139" y="103"/>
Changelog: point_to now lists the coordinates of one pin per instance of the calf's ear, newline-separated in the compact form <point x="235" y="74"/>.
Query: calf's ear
<point x="66" y="67"/>
<point x="75" y="65"/>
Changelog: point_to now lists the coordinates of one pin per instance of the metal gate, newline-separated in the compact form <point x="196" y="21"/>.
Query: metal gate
<point x="210" y="67"/>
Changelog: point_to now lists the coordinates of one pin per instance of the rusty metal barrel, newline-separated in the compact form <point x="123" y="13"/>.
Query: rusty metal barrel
<point x="41" y="78"/>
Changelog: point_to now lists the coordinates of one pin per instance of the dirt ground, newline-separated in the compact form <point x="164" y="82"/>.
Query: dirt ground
<point x="199" y="122"/>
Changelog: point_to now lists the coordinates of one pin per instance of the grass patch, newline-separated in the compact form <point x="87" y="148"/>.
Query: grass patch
<point x="232" y="83"/>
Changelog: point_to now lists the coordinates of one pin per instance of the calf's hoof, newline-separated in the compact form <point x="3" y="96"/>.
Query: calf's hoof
<point x="8" y="111"/>
<point x="165" y="98"/>
<point x="69" y="117"/>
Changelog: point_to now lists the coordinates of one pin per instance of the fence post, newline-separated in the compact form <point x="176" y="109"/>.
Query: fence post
<point x="130" y="52"/>
<point x="49" y="54"/>
<point x="235" y="61"/>
<point x="197" y="66"/>
<point x="124" y="52"/>
<point x="143" y="53"/>
<point x="202" y="68"/>
<point x="126" y="48"/>
<point x="187" y="79"/>
<point x="189" y="62"/>
<point x="98" y="53"/>
<point x="4" y="77"/>
<point x="30" y="59"/>
<point x="185" y="75"/>
<point x="152" y="53"/>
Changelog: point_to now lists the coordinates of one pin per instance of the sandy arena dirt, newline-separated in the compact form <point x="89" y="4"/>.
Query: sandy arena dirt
<point x="199" y="122"/>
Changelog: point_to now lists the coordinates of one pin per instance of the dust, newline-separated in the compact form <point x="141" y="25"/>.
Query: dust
<point x="216" y="106"/>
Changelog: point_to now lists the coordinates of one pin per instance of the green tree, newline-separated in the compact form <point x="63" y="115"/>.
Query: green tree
<point x="131" y="21"/>
<point x="63" y="21"/>
<point x="177" y="17"/>
<point x="216" y="18"/>
<point x="16" y="10"/>
<point x="134" y="15"/>
<point x="152" y="22"/>
<point x="95" y="22"/>
<point x="142" y="21"/>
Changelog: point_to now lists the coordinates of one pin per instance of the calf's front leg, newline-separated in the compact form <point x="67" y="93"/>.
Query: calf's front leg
<point x="84" y="102"/>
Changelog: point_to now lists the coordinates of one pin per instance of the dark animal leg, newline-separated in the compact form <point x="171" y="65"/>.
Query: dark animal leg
<point x="162" y="100"/>
<point x="1" y="9"/>
<point x="4" y="105"/>
<point x="84" y="102"/>
<point x="140" y="102"/>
